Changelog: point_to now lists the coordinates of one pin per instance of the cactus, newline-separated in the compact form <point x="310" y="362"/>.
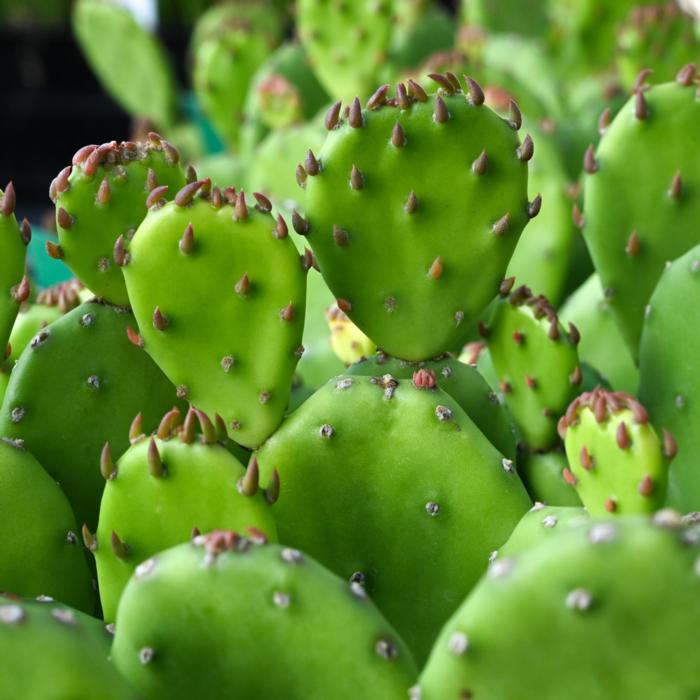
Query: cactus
<point x="524" y="17"/>
<point x="617" y="462"/>
<point x="543" y="476"/>
<point x="78" y="384"/>
<point x="401" y="457"/>
<point x="230" y="344"/>
<point x="394" y="247"/>
<point x="14" y="284"/>
<point x="536" y="362"/>
<point x="228" y="598"/>
<point x="349" y="343"/>
<point x="165" y="487"/>
<point x="602" y="345"/>
<point x="462" y="382"/>
<point x="604" y="588"/>
<point x="41" y="553"/>
<point x="669" y="379"/>
<point x="50" y="650"/>
<point x="627" y="234"/>
<point x="100" y="201"/>
<point x="130" y="63"/>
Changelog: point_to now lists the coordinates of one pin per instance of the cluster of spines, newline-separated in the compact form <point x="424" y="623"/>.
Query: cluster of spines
<point x="21" y="291"/>
<point x="64" y="295"/>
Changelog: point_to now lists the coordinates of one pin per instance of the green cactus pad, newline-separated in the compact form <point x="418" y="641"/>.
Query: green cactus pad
<point x="100" y="201"/>
<point x="588" y="613"/>
<point x="79" y="384"/>
<point x="160" y="489"/>
<point x="52" y="651"/>
<point x="616" y="461"/>
<point x="641" y="185"/>
<point x="462" y="382"/>
<point x="383" y="456"/>
<point x="41" y="552"/>
<point x="348" y="342"/>
<point x="14" y="286"/>
<point x="536" y="362"/>
<point x="231" y="342"/>
<point x="669" y="378"/>
<point x="226" y="617"/>
<point x="543" y="476"/>
<point x="409" y="203"/>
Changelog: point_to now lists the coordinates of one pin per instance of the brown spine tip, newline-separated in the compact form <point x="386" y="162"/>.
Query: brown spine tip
<point x="287" y="313"/>
<point x="576" y="377"/>
<point x="25" y="231"/>
<point x="411" y="203"/>
<point x="220" y="425"/>
<point x="416" y="91"/>
<point x="436" y="268"/>
<point x="160" y="321"/>
<point x="440" y="114"/>
<point x="301" y="176"/>
<point x="281" y="230"/>
<point x="172" y="155"/>
<point x="134" y="337"/>
<point x="639" y="413"/>
<point x="501" y="226"/>
<point x="476" y="94"/>
<point x="676" y="189"/>
<point x="569" y="477"/>
<point x="308" y="260"/>
<point x="534" y="207"/>
<point x="518" y="337"/>
<point x="156" y="195"/>
<point x="586" y="459"/>
<point x="155" y="463"/>
<point x="240" y="208"/>
<point x="62" y="182"/>
<point x="604" y="120"/>
<point x="311" y="164"/>
<point x="300" y="224"/>
<point x="357" y="181"/>
<point x="454" y="80"/>
<point x="249" y="482"/>
<point x="190" y="173"/>
<point x="120" y="549"/>
<point x="610" y="505"/>
<point x="186" y="243"/>
<point x="168" y="423"/>
<point x="686" y="75"/>
<point x="242" y="287"/>
<point x="89" y="540"/>
<point x="186" y="194"/>
<point x="378" y="98"/>
<point x="670" y="447"/>
<point x="82" y="153"/>
<point x="344" y="305"/>
<point x="505" y="287"/>
<point x="483" y="330"/>
<point x="590" y="164"/>
<point x="272" y="492"/>
<point x="443" y="81"/>
<point x="187" y="433"/>
<point x="553" y="331"/>
<point x="531" y="382"/>
<point x="622" y="436"/>
<point x="640" y="80"/>
<point x="107" y="467"/>
<point x="574" y="335"/>
<point x="136" y="429"/>
<point x="526" y="149"/>
<point x="516" y="117"/>
<point x="333" y="116"/>
<point x="398" y="137"/>
<point x="152" y="180"/>
<point x="262" y="203"/>
<point x="646" y="486"/>
<point x="22" y="290"/>
<point x="641" y="109"/>
<point x="354" y="116"/>
<point x="340" y="236"/>
<point x="206" y="427"/>
<point x="633" y="245"/>
<point x="480" y="163"/>
<point x="577" y="216"/>
<point x="402" y="98"/>
<point x="64" y="219"/>
<point x="119" y="251"/>
<point x="104" y="193"/>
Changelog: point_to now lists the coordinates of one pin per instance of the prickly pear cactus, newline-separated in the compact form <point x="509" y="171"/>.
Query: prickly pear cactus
<point x="349" y="343"/>
<point x="50" y="650"/>
<point x="14" y="285"/>
<point x="245" y="279"/>
<point x="326" y="637"/>
<point x="41" y="552"/>
<point x="543" y="476"/>
<point x="462" y="382"/>
<point x="617" y="462"/>
<point x="345" y="42"/>
<point x="395" y="247"/>
<point x="78" y="384"/>
<point x="595" y="586"/>
<point x="669" y="379"/>
<point x="162" y="488"/>
<point x="400" y="457"/>
<point x="100" y="201"/>
<point x="627" y="233"/>
<point x="536" y="362"/>
<point x="525" y="17"/>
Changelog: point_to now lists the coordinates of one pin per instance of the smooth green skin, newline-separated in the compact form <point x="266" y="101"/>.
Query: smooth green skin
<point x="12" y="257"/>
<point x="549" y="362"/>
<point x="602" y="345"/>
<point x="539" y="524"/>
<point x="390" y="251"/>
<point x="322" y="643"/>
<point x="541" y="473"/>
<point x="28" y="323"/>
<point x="47" y="659"/>
<point x="67" y="421"/>
<point x="223" y="67"/>
<point x="669" y="379"/>
<point x="39" y="556"/>
<point x="129" y="62"/>
<point x="616" y="473"/>
<point x="631" y="162"/>
<point x="224" y="169"/>
<point x="346" y="42"/>
<point x="151" y="513"/>
<point x="612" y="650"/>
<point x="543" y="256"/>
<point x="248" y="328"/>
<point x="4" y="379"/>
<point x="88" y="244"/>
<point x="525" y="17"/>
<point x="386" y="460"/>
<point x="463" y="383"/>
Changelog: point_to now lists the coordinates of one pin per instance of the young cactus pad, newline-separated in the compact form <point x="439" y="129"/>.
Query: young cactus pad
<point x="605" y="609"/>
<point x="231" y="341"/>
<point x="100" y="201"/>
<point x="414" y="207"/>
<point x="225" y="616"/>
<point x="165" y="486"/>
<point x="368" y="455"/>
<point x="536" y="362"/>
<point x="617" y="462"/>
<point x="78" y="384"/>
<point x="641" y="184"/>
